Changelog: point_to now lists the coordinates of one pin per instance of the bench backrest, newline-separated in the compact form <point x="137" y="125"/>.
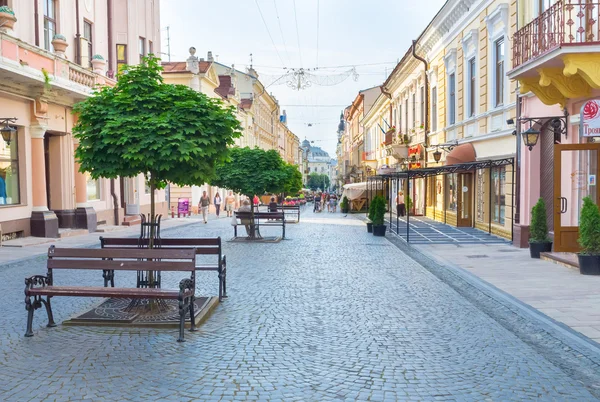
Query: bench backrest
<point x="203" y="245"/>
<point x="259" y="215"/>
<point x="292" y="207"/>
<point x="138" y="259"/>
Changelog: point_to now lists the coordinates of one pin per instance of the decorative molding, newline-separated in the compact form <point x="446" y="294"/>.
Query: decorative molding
<point x="571" y="87"/>
<point x="587" y="65"/>
<point x="500" y="14"/>
<point x="37" y="131"/>
<point x="450" y="60"/>
<point x="470" y="43"/>
<point x="549" y="95"/>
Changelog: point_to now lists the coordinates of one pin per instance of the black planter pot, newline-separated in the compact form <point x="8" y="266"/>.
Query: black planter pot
<point x="345" y="210"/>
<point x="379" y="230"/>
<point x="589" y="264"/>
<point x="369" y="227"/>
<point x="535" y="248"/>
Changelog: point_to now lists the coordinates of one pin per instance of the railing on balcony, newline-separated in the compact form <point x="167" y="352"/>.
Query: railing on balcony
<point x="567" y="22"/>
<point x="389" y="137"/>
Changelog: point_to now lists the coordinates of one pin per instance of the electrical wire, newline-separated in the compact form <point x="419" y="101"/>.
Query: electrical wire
<point x="298" y="34"/>
<point x="281" y="31"/>
<point x="269" y="32"/>
<point x="318" y="33"/>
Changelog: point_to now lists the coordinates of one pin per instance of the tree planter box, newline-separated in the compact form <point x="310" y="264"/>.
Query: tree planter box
<point x="379" y="230"/>
<point x="589" y="264"/>
<point x="369" y="227"/>
<point x="535" y="248"/>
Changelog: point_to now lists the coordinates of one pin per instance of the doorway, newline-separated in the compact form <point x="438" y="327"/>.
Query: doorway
<point x="464" y="213"/>
<point x="576" y="172"/>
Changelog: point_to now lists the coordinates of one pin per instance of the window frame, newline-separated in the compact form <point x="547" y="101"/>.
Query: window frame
<point x="422" y="108"/>
<point x="49" y="33"/>
<point x="87" y="23"/>
<point x="452" y="98"/>
<point x="472" y="86"/>
<point x="142" y="47"/>
<point x="498" y="196"/>
<point x="13" y="161"/>
<point x="434" y="107"/>
<point x="499" y="73"/>
<point x="406" y="115"/>
<point x="121" y="62"/>
<point x="414" y="110"/>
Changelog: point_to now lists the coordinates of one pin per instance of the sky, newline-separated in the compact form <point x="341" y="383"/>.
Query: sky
<point x="327" y="38"/>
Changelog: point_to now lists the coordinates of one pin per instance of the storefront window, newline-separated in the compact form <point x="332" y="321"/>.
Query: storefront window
<point x="451" y="183"/>
<point x="9" y="172"/>
<point x="93" y="188"/>
<point x="498" y="196"/>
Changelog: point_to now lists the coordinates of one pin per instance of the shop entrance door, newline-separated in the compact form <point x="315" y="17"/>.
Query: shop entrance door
<point x="575" y="177"/>
<point x="464" y="213"/>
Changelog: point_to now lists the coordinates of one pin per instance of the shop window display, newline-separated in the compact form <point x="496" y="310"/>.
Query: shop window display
<point x="9" y="172"/>
<point x="451" y="189"/>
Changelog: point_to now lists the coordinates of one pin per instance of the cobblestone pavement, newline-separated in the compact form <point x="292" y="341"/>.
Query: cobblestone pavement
<point x="332" y="313"/>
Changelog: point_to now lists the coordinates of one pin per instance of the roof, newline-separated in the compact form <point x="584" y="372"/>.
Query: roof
<point x="246" y="103"/>
<point x="170" y="67"/>
<point x="225" y="87"/>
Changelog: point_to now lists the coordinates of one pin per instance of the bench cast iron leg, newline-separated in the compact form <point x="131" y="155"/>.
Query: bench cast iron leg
<point x="181" y="321"/>
<point x="46" y="302"/>
<point x="30" y="309"/>
<point x="224" y="273"/>
<point x="192" y="316"/>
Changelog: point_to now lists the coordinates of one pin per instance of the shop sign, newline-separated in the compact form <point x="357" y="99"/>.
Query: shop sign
<point x="590" y="118"/>
<point x="414" y="150"/>
<point x="415" y="165"/>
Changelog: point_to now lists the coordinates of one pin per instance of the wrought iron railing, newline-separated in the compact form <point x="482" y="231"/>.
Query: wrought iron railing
<point x="567" y="22"/>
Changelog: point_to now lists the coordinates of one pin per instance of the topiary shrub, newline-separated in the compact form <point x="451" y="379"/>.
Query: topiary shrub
<point x="538" y="230"/>
<point x="378" y="210"/>
<point x="589" y="227"/>
<point x="344" y="203"/>
<point x="7" y="10"/>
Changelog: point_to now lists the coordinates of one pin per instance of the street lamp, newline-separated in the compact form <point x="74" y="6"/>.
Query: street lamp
<point x="437" y="155"/>
<point x="7" y="130"/>
<point x="530" y="137"/>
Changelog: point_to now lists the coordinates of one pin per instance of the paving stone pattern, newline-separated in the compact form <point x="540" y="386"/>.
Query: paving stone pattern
<point x="333" y="313"/>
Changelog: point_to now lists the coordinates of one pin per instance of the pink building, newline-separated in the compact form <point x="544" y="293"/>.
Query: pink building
<point x="52" y="53"/>
<point x="555" y="59"/>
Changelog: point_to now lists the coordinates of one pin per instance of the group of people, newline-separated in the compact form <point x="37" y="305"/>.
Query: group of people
<point x="217" y="201"/>
<point x="324" y="199"/>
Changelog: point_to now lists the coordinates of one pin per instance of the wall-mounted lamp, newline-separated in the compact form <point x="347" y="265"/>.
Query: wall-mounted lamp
<point x="6" y="130"/>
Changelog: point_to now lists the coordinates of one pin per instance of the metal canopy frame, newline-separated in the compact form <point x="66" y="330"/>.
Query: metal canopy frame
<point x="387" y="179"/>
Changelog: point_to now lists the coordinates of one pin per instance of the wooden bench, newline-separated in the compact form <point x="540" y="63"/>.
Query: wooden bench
<point x="157" y="260"/>
<point x="293" y="210"/>
<point x="260" y="219"/>
<point x="203" y="246"/>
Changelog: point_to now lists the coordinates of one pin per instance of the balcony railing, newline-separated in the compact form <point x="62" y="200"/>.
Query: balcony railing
<point x="567" y="22"/>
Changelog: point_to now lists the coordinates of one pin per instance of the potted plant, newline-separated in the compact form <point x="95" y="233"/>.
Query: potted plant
<point x="378" y="205"/>
<point x="59" y="43"/>
<point x="589" y="238"/>
<point x="344" y="205"/>
<point x="7" y="18"/>
<point x="538" y="237"/>
<point x="98" y="64"/>
<point x="371" y="212"/>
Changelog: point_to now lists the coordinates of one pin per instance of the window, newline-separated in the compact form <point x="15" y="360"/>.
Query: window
<point x="394" y="121"/>
<point x="309" y="170"/>
<point x="434" y="109"/>
<point x="87" y="34"/>
<point x="414" y="110"/>
<point x="423" y="106"/>
<point x="499" y="72"/>
<point x="451" y="192"/>
<point x="142" y="48"/>
<point x="150" y="47"/>
<point x="49" y="23"/>
<point x="9" y="172"/>
<point x="406" y="117"/>
<point x="452" y="99"/>
<point x="498" y="196"/>
<point x="93" y="188"/>
<point x="3" y="3"/>
<point x="471" y="88"/>
<point x="399" y="118"/>
<point x="121" y="56"/>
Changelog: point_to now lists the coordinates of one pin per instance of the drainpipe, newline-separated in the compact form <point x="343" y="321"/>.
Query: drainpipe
<point x="111" y="46"/>
<point x="36" y="22"/>
<point x="77" y="35"/>
<point x="426" y="114"/>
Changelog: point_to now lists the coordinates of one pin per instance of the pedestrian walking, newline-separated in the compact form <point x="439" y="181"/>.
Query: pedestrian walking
<point x="217" y="202"/>
<point x="332" y="203"/>
<point x="317" y="203"/>
<point x="229" y="204"/>
<point x="400" y="205"/>
<point x="203" y="205"/>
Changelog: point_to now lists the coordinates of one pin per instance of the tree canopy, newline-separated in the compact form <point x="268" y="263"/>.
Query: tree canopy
<point x="317" y="180"/>
<point x="142" y="125"/>
<point x="251" y="171"/>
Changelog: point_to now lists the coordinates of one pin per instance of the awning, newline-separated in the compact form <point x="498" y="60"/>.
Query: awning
<point x="461" y="154"/>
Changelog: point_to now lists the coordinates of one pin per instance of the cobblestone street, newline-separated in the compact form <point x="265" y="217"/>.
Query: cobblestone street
<point x="331" y="313"/>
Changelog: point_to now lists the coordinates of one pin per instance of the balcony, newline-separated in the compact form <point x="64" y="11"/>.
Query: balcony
<point x="31" y="71"/>
<point x="555" y="55"/>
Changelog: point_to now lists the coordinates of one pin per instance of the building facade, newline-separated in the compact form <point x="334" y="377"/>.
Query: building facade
<point x="558" y="96"/>
<point x="53" y="54"/>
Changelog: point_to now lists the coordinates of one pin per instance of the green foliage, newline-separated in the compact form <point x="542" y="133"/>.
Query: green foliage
<point x="47" y="79"/>
<point x="317" y="180"/>
<point x="372" y="207"/>
<point x="254" y="171"/>
<point x="142" y="125"/>
<point x="344" y="203"/>
<point x="538" y="229"/>
<point x="378" y="207"/>
<point x="293" y="182"/>
<point x="7" y="9"/>
<point x="409" y="203"/>
<point x="589" y="227"/>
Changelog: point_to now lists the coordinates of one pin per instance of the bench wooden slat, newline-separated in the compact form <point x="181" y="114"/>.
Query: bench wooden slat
<point x="129" y="241"/>
<point x="172" y="254"/>
<point x="84" y="291"/>
<point x="122" y="265"/>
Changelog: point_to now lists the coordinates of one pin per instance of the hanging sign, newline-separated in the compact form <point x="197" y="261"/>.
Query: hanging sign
<point x="589" y="125"/>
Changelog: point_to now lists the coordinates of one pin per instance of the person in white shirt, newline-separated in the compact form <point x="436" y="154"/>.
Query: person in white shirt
<point x="400" y="205"/>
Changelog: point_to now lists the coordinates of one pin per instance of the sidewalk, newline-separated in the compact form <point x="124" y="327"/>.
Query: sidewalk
<point x="557" y="291"/>
<point x="40" y="245"/>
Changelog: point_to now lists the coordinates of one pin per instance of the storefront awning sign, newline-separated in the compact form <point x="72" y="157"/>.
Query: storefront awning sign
<point x="590" y="119"/>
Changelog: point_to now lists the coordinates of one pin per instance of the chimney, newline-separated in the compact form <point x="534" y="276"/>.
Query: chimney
<point x="209" y="57"/>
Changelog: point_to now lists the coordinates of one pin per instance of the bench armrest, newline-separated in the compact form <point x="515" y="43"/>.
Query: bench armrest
<point x="185" y="285"/>
<point x="37" y="281"/>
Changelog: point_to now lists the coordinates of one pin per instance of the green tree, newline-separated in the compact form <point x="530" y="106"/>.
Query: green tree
<point x="171" y="133"/>
<point x="293" y="183"/>
<point x="317" y="180"/>
<point x="589" y="227"/>
<point x="254" y="171"/>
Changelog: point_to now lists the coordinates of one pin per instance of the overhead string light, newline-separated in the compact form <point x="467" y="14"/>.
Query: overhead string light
<point x="300" y="78"/>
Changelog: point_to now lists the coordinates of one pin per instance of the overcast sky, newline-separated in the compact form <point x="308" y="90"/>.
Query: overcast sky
<point x="350" y="33"/>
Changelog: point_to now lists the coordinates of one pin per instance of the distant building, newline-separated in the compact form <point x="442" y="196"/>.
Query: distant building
<point x="317" y="161"/>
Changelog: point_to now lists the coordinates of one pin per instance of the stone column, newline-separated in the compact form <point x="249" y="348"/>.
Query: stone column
<point x="44" y="223"/>
<point x="85" y="216"/>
